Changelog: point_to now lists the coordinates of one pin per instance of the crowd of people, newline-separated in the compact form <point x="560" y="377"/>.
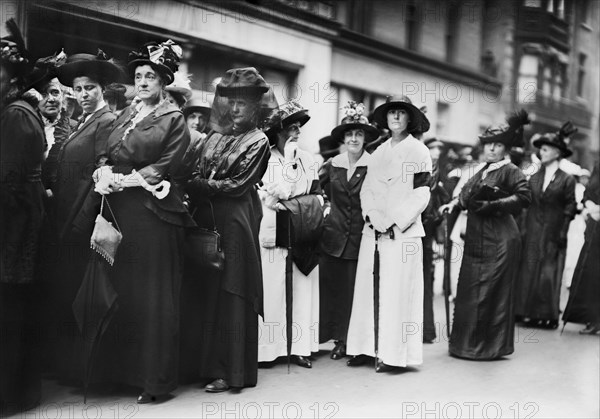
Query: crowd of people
<point x="97" y="215"/>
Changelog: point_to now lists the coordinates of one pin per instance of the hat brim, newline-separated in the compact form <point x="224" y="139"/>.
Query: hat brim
<point x="239" y="90"/>
<point x="543" y="141"/>
<point x="105" y="71"/>
<point x="380" y="114"/>
<point x="300" y="116"/>
<point x="435" y="143"/>
<point x="191" y="109"/>
<point x="371" y="133"/>
<point x="164" y="71"/>
<point x="186" y="93"/>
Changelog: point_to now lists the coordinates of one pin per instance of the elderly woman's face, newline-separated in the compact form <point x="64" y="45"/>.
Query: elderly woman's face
<point x="397" y="120"/>
<point x="548" y="154"/>
<point x="354" y="139"/>
<point x="242" y="110"/>
<point x="52" y="100"/>
<point x="88" y="93"/>
<point x="494" y="152"/>
<point x="148" y="83"/>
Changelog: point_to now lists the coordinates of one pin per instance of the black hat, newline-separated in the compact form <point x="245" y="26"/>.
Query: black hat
<point x="328" y="147"/>
<point x="433" y="142"/>
<point x="511" y="135"/>
<point x="45" y="70"/>
<point x="557" y="139"/>
<point x="242" y="82"/>
<point x="163" y="58"/>
<point x="98" y="67"/>
<point x="281" y="118"/>
<point x="418" y="122"/>
<point x="14" y="53"/>
<point x="354" y="119"/>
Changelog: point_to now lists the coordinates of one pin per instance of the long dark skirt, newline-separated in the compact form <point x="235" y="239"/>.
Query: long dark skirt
<point x="229" y="347"/>
<point x="483" y="326"/>
<point x="20" y="384"/>
<point x="584" y="298"/>
<point x="141" y="345"/>
<point x="336" y="290"/>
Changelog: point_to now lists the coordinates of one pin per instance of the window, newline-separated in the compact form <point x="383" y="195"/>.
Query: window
<point x="452" y="20"/>
<point x="528" y="78"/>
<point x="533" y="3"/>
<point x="559" y="81"/>
<point x="442" y="118"/>
<point x="581" y="75"/>
<point x="412" y="27"/>
<point x="547" y="86"/>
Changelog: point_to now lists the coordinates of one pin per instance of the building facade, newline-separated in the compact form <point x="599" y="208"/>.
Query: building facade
<point x="468" y="61"/>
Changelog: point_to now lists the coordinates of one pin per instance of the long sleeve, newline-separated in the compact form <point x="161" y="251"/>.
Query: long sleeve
<point x="105" y="127"/>
<point x="415" y="203"/>
<point x="250" y="171"/>
<point x="177" y="142"/>
<point x="570" y="201"/>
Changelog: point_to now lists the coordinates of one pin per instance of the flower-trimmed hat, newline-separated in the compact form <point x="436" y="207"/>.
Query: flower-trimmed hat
<point x="98" y="67"/>
<point x="354" y="119"/>
<point x="281" y="118"/>
<point x="242" y="82"/>
<point x="14" y="53"/>
<point x="164" y="58"/>
<point x="557" y="139"/>
<point x="511" y="134"/>
<point x="418" y="122"/>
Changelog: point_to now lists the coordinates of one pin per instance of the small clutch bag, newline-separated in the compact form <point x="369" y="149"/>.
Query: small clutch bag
<point x="106" y="238"/>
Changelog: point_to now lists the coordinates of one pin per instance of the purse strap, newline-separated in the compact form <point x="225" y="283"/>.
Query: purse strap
<point x="212" y="213"/>
<point x="112" y="214"/>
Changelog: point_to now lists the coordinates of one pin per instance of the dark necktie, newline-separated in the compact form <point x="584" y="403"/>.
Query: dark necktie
<point x="81" y="120"/>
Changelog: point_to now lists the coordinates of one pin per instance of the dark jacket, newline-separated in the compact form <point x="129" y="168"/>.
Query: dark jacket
<point x="343" y="227"/>
<point x="80" y="154"/>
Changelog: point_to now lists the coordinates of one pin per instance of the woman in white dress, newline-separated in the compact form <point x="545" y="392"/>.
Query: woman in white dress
<point x="393" y="196"/>
<point x="292" y="172"/>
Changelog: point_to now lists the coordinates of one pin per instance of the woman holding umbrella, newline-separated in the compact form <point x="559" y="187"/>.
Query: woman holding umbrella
<point x="292" y="173"/>
<point x="342" y="231"/>
<point x="231" y="162"/>
<point x="553" y="206"/>
<point x="386" y="318"/>
<point x="144" y="149"/>
<point x="483" y="326"/>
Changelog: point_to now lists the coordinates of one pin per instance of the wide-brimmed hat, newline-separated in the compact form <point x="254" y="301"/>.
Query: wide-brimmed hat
<point x="45" y="70"/>
<point x="197" y="104"/>
<point x="509" y="134"/>
<point x="242" y="82"/>
<point x="557" y="139"/>
<point x="287" y="114"/>
<point x="164" y="58"/>
<point x="180" y="86"/>
<point x="97" y="67"/>
<point x="328" y="147"/>
<point x="433" y="142"/>
<point x="354" y="118"/>
<point x="418" y="122"/>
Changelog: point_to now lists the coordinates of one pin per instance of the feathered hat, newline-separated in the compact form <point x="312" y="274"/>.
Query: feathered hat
<point x="96" y="66"/>
<point x="13" y="51"/>
<point x="511" y="134"/>
<point x="164" y="58"/>
<point x="557" y="139"/>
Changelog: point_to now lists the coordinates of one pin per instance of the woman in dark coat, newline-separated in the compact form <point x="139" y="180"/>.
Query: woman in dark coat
<point x="483" y="326"/>
<point x="342" y="230"/>
<point x="552" y="208"/>
<point x="80" y="154"/>
<point x="141" y="345"/>
<point x="22" y="146"/>
<point x="231" y="162"/>
<point x="584" y="302"/>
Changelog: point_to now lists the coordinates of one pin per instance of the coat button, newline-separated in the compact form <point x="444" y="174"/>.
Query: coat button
<point x="358" y="175"/>
<point x="347" y="221"/>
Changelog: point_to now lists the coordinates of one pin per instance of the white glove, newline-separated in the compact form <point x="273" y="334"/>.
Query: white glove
<point x="290" y="151"/>
<point x="379" y="221"/>
<point x="106" y="181"/>
<point x="279" y="191"/>
<point x="593" y="210"/>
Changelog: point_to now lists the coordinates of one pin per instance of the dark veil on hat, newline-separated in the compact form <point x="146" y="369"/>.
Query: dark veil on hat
<point x="246" y="83"/>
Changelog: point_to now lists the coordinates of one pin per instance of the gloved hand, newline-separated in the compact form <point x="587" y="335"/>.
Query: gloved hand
<point x="107" y="182"/>
<point x="198" y="187"/>
<point x="379" y="221"/>
<point x="278" y="190"/>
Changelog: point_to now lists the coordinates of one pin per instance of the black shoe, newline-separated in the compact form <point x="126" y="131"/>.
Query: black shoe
<point x="145" y="398"/>
<point x="302" y="361"/>
<point x="381" y="367"/>
<point x="217" y="386"/>
<point x="339" y="351"/>
<point x="267" y="364"/>
<point x="358" y="360"/>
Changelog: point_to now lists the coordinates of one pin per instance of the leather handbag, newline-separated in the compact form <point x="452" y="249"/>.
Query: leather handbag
<point x="106" y="238"/>
<point x="203" y="246"/>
